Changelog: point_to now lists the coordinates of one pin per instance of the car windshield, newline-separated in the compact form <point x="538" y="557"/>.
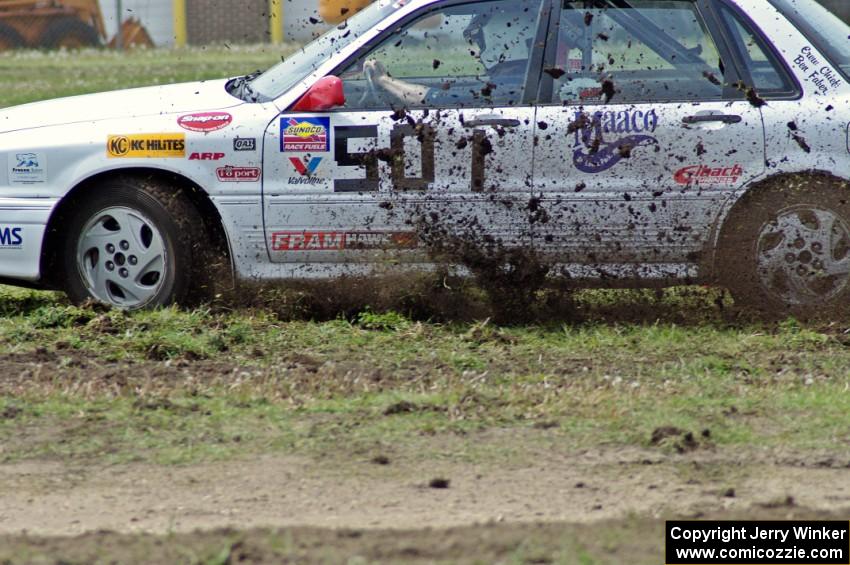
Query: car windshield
<point x="292" y="70"/>
<point x="824" y="29"/>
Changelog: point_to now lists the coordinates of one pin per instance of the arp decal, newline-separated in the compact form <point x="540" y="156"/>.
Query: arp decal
<point x="27" y="168"/>
<point x="238" y="174"/>
<point x="823" y="77"/>
<point x="205" y="121"/>
<point x="592" y="153"/>
<point x="340" y="241"/>
<point x="11" y="238"/>
<point x="305" y="134"/>
<point x="344" y="158"/>
<point x="701" y="174"/>
<point x="245" y="144"/>
<point x="147" y="145"/>
<point x="206" y="156"/>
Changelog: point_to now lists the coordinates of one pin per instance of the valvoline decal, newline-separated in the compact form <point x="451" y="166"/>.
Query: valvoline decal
<point x="205" y="121"/>
<point x="594" y="149"/>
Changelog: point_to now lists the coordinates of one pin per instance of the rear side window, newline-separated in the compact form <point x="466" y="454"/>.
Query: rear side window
<point x="640" y="51"/>
<point x="768" y="75"/>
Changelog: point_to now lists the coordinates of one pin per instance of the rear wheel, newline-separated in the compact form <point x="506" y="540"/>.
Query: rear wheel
<point x="69" y="33"/>
<point x="10" y="38"/>
<point x="786" y="250"/>
<point x="135" y="244"/>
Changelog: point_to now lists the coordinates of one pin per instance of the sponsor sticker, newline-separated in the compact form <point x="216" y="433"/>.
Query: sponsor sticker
<point x="702" y="174"/>
<point x="11" y="237"/>
<point x="340" y="241"/>
<point x="205" y="121"/>
<point x="306" y="170"/>
<point x="27" y="168"/>
<point x="206" y="156"/>
<point x="604" y="138"/>
<point x="305" y="134"/>
<point x="238" y="174"/>
<point x="146" y="145"/>
<point x="245" y="144"/>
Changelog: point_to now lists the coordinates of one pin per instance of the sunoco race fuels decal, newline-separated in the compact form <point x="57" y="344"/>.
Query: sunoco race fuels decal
<point x="205" y="121"/>
<point x="595" y="151"/>
<point x="238" y="174"/>
<point x="148" y="145"/>
<point x="305" y="134"/>
<point x="701" y="174"/>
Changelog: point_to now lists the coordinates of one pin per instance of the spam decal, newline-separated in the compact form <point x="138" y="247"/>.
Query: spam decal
<point x="146" y="145"/>
<point x="305" y="134"/>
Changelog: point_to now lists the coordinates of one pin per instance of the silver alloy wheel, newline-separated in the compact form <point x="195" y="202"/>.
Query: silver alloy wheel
<point x="803" y="255"/>
<point x="122" y="258"/>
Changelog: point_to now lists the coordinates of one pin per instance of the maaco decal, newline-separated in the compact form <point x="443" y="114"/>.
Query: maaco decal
<point x="146" y="145"/>
<point x="305" y="134"/>
<point x="11" y="238"/>
<point x="593" y="153"/>
<point x="205" y="122"/>
<point x="238" y="174"/>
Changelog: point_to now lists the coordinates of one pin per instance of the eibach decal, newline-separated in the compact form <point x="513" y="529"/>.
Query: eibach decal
<point x="703" y="174"/>
<point x="205" y="121"/>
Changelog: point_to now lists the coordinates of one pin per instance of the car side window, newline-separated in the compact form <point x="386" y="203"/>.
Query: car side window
<point x="643" y="51"/>
<point x="469" y="55"/>
<point x="762" y="66"/>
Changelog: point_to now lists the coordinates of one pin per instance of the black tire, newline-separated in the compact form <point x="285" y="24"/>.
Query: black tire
<point x="10" y="38"/>
<point x="123" y="225"/>
<point x="784" y="248"/>
<point x="70" y="34"/>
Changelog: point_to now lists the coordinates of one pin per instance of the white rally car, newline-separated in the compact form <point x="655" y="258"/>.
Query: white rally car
<point x="633" y="142"/>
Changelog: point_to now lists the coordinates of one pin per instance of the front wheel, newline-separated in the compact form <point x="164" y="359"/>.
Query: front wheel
<point x="134" y="244"/>
<point x="786" y="250"/>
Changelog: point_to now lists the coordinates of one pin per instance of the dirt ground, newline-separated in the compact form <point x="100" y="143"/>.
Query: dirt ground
<point x="55" y="499"/>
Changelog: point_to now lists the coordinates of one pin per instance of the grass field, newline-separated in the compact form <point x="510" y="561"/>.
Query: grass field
<point x="671" y="392"/>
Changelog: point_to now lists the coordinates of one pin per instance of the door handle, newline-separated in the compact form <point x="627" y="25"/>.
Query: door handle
<point x="704" y="118"/>
<point x="493" y="122"/>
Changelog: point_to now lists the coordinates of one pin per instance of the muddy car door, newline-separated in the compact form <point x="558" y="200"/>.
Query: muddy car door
<point x="435" y="137"/>
<point x="647" y="136"/>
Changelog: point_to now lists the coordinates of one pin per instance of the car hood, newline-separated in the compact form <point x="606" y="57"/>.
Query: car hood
<point x="123" y="104"/>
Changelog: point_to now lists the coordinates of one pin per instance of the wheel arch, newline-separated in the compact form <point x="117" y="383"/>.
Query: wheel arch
<point x="214" y="229"/>
<point x="736" y="205"/>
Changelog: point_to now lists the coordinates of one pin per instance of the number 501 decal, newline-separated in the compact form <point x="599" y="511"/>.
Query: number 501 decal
<point x="425" y="134"/>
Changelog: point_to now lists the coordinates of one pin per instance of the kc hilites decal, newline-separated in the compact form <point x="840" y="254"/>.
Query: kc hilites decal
<point x="146" y="145"/>
<point x="305" y="134"/>
<point x="205" y="121"/>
